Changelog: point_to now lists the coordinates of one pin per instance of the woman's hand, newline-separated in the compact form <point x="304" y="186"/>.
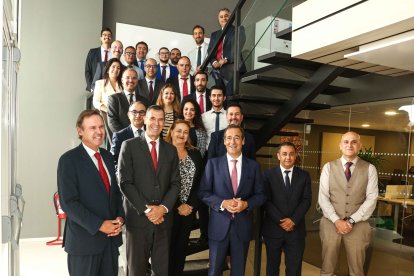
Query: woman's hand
<point x="185" y="209"/>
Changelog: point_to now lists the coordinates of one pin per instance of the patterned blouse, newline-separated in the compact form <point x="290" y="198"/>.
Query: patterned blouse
<point x="198" y="138"/>
<point x="187" y="172"/>
<point x="168" y="121"/>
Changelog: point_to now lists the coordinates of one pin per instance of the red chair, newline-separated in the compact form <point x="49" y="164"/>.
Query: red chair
<point x="61" y="215"/>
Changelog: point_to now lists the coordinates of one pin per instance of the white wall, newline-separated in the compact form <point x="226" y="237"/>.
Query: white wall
<point x="55" y="39"/>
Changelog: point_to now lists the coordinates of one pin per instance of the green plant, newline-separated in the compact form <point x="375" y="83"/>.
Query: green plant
<point x="368" y="155"/>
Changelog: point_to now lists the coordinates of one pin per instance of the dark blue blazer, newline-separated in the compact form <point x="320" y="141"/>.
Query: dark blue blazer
<point x="118" y="138"/>
<point x="173" y="72"/>
<point x="84" y="199"/>
<point x="281" y="204"/>
<point x="92" y="60"/>
<point x="217" y="148"/>
<point x="228" y="45"/>
<point x="216" y="186"/>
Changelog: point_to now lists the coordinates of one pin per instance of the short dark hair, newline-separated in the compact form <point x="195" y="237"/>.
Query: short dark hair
<point x="129" y="47"/>
<point x="141" y="42"/>
<point x="198" y="27"/>
<point x="154" y="107"/>
<point x="286" y="144"/>
<point x="235" y="104"/>
<point x="201" y="73"/>
<point x="106" y="29"/>
<point x="176" y="49"/>
<point x="85" y="114"/>
<point x="163" y="48"/>
<point x="233" y="126"/>
<point x="218" y="87"/>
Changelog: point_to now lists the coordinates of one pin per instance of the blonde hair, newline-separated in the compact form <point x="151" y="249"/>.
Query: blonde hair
<point x="175" y="103"/>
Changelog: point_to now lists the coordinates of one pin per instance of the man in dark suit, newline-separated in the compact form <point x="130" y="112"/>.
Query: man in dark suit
<point x="183" y="83"/>
<point x="144" y="86"/>
<point x="118" y="103"/>
<point x="90" y="197"/>
<point x="216" y="147"/>
<point x="97" y="55"/>
<point x="232" y="187"/>
<point x="136" y="114"/>
<point x="165" y="70"/>
<point x="223" y="60"/>
<point x="150" y="181"/>
<point x="202" y="95"/>
<point x="288" y="189"/>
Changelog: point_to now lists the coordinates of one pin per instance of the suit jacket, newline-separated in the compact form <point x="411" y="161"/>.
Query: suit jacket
<point x="174" y="81"/>
<point x="118" y="138"/>
<point x="144" y="91"/>
<point x="217" y="148"/>
<point x="207" y="103"/>
<point x="142" y="185"/>
<point x="117" y="111"/>
<point x="228" y="45"/>
<point x="84" y="199"/>
<point x="216" y="186"/>
<point x="173" y="72"/>
<point x="281" y="204"/>
<point x="92" y="60"/>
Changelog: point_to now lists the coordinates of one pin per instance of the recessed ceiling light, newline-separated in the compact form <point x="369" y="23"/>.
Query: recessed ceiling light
<point x="390" y="113"/>
<point x="365" y="125"/>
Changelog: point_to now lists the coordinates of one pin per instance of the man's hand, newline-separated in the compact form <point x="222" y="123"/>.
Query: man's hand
<point x="111" y="228"/>
<point x="241" y="205"/>
<point x="230" y="205"/>
<point x="185" y="209"/>
<point x="216" y="65"/>
<point x="287" y="224"/>
<point x="156" y="215"/>
<point x="343" y="227"/>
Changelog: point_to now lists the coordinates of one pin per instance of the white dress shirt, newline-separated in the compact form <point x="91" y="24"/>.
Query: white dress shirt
<point x="127" y="94"/>
<point x="238" y="166"/>
<point x="103" y="54"/>
<point x="91" y="154"/>
<point x="157" y="143"/>
<point x="135" y="131"/>
<point x="181" y="84"/>
<point x="209" y="121"/>
<point x="289" y="174"/>
<point x="365" y="210"/>
<point x="167" y="70"/>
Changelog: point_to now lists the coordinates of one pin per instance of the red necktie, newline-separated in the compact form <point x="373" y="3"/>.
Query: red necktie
<point x="185" y="87"/>
<point x="234" y="176"/>
<point x="348" y="170"/>
<point x="154" y="154"/>
<point x="106" y="56"/>
<point x="201" y="103"/>
<point x="151" y="91"/>
<point x="220" y="51"/>
<point x="102" y="171"/>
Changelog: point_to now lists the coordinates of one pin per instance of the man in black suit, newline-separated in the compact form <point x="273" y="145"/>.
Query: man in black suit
<point x="289" y="196"/>
<point x="234" y="116"/>
<point x="97" y="55"/>
<point x="118" y="103"/>
<point x="89" y="195"/>
<point x="202" y="95"/>
<point x="150" y="181"/>
<point x="223" y="60"/>
<point x="144" y="86"/>
<point x="183" y="83"/>
<point x="136" y="114"/>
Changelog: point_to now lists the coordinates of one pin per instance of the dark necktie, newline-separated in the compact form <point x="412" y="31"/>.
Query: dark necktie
<point x="201" y="103"/>
<point x="348" y="170"/>
<point x="131" y="98"/>
<point x="164" y="72"/>
<point x="139" y="133"/>
<point x="287" y="181"/>
<point x="141" y="65"/>
<point x="102" y="171"/>
<point x="199" y="56"/>
<point x="106" y="56"/>
<point x="151" y="91"/>
<point x="154" y="154"/>
<point x="217" y="120"/>
<point x="185" y="87"/>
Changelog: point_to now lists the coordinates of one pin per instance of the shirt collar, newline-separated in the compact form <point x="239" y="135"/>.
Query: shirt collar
<point x="222" y="110"/>
<point x="149" y="140"/>
<point x="134" y="129"/>
<point x="344" y="161"/>
<point x="229" y="158"/>
<point x="284" y="169"/>
<point x="90" y="151"/>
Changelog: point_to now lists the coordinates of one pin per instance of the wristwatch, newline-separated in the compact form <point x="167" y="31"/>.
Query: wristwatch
<point x="351" y="221"/>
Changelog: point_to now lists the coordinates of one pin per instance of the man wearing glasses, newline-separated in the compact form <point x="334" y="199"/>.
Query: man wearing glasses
<point x="150" y="87"/>
<point x="136" y="114"/>
<point x="129" y="56"/>
<point x="165" y="70"/>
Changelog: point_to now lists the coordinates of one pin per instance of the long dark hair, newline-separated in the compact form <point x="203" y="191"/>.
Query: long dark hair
<point x="106" y="72"/>
<point x="197" y="120"/>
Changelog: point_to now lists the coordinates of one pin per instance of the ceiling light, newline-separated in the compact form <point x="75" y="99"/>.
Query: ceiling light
<point x="365" y="125"/>
<point x="390" y="113"/>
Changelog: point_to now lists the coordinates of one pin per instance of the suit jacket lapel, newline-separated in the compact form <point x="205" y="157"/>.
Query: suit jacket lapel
<point x="280" y="176"/>
<point x="225" y="166"/>
<point x="124" y="100"/>
<point x="243" y="175"/>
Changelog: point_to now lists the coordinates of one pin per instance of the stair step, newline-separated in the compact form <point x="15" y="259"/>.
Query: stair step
<point x="196" y="247"/>
<point x="286" y="59"/>
<point x="285" y="34"/>
<point x="264" y="156"/>
<point x="196" y="267"/>
<point x="283" y="82"/>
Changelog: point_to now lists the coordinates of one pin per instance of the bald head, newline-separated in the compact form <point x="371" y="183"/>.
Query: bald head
<point x="350" y="145"/>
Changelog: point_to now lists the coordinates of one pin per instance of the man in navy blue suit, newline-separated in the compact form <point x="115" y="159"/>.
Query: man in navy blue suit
<point x="90" y="197"/>
<point x="289" y="196"/>
<point x="165" y="70"/>
<point x="136" y="114"/>
<point x="232" y="187"/>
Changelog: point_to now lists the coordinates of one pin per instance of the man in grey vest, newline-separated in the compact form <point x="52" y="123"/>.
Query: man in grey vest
<point x="347" y="195"/>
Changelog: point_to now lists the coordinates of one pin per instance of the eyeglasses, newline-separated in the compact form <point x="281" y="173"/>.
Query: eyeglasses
<point x="151" y="66"/>
<point x="130" y="54"/>
<point x="138" y="112"/>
